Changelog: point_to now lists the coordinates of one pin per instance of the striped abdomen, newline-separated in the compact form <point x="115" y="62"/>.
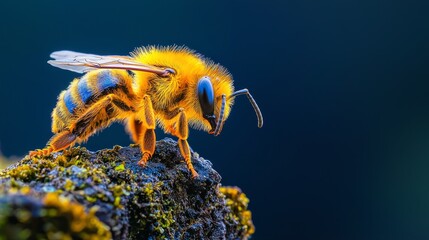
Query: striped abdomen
<point x="87" y="90"/>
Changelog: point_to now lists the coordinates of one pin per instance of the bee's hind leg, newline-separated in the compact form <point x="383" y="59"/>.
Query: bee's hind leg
<point x="84" y="125"/>
<point x="79" y="128"/>
<point x="58" y="142"/>
<point x="67" y="137"/>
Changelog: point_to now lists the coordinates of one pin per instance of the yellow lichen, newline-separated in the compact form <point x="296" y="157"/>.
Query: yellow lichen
<point x="69" y="185"/>
<point x="25" y="190"/>
<point x="24" y="172"/>
<point x="82" y="224"/>
<point x="238" y="202"/>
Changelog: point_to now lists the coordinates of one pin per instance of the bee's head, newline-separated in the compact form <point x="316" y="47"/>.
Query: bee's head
<point x="215" y="99"/>
<point x="209" y="91"/>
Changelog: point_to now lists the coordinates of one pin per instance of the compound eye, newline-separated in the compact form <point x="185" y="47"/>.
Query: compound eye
<point x="206" y="97"/>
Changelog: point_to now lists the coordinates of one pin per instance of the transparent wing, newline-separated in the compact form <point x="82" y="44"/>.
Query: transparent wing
<point x="83" y="62"/>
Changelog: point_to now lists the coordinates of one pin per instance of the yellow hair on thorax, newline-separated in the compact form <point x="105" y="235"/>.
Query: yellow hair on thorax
<point x="189" y="67"/>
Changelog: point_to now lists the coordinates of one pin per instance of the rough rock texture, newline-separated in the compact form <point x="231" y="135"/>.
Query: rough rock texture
<point x="79" y="194"/>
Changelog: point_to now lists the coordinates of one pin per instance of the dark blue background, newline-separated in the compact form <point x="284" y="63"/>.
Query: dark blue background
<point x="343" y="86"/>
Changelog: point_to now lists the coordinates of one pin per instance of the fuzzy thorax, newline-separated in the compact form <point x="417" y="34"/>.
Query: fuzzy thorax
<point x="179" y="90"/>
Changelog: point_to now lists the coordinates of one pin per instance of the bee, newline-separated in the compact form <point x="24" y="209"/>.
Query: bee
<point x="172" y="87"/>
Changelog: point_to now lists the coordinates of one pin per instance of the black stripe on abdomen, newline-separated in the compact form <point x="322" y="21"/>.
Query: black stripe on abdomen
<point x="85" y="92"/>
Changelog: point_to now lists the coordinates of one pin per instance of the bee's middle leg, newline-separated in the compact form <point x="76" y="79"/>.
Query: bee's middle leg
<point x="134" y="128"/>
<point x="147" y="130"/>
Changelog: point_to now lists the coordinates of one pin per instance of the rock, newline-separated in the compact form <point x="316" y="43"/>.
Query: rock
<point x="77" y="194"/>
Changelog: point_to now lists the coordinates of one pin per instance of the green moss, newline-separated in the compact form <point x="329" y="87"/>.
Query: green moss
<point x="156" y="212"/>
<point x="120" y="167"/>
<point x="118" y="192"/>
<point x="30" y="169"/>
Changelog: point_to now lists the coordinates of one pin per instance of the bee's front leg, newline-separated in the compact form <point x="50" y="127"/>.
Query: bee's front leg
<point x="182" y="134"/>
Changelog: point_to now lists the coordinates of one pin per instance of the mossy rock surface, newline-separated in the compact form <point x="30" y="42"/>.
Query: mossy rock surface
<point x="78" y="194"/>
